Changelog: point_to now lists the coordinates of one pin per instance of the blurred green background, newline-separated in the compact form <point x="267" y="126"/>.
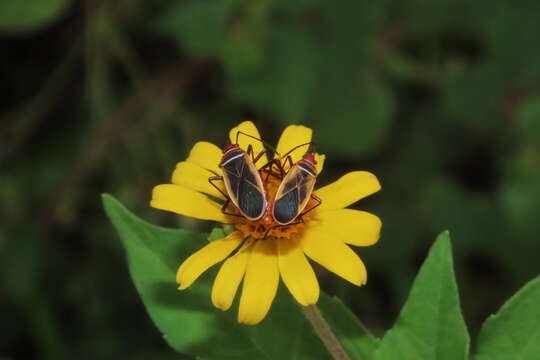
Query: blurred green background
<point x="440" y="99"/>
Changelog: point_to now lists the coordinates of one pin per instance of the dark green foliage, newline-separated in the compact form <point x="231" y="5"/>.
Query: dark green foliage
<point x="430" y="325"/>
<point x="514" y="331"/>
<point x="21" y="16"/>
<point x="440" y="99"/>
<point x="191" y="325"/>
<point x="355" y="339"/>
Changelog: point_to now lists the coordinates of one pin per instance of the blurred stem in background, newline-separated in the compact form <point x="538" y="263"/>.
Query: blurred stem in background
<point x="323" y="330"/>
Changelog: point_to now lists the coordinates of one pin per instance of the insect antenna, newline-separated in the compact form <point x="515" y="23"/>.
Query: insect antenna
<point x="266" y="145"/>
<point x="310" y="147"/>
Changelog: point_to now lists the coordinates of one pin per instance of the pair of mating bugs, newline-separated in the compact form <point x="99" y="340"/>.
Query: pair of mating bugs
<point x="246" y="190"/>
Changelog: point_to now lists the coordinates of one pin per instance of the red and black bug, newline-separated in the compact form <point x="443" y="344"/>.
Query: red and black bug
<point x="243" y="183"/>
<point x="295" y="191"/>
<point x="245" y="188"/>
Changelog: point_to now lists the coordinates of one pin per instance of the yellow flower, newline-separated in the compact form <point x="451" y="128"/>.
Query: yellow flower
<point x="323" y="237"/>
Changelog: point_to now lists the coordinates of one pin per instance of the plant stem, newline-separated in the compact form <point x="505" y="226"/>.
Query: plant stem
<point x="323" y="330"/>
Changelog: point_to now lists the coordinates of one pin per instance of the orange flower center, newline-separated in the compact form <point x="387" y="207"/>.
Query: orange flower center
<point x="266" y="227"/>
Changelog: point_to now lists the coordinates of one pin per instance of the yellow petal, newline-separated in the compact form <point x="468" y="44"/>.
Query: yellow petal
<point x="247" y="127"/>
<point x="320" y="162"/>
<point x="348" y="189"/>
<point x="184" y="201"/>
<point x="192" y="176"/>
<point x="206" y="155"/>
<point x="229" y="277"/>
<point x="209" y="255"/>
<point x="291" y="137"/>
<point x="260" y="283"/>
<point x="297" y="273"/>
<point x="321" y="245"/>
<point x="354" y="227"/>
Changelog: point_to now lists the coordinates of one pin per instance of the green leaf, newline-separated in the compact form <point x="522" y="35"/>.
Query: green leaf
<point x="353" y="336"/>
<point x="198" y="26"/>
<point x="300" y="343"/>
<point x="27" y="15"/>
<point x="430" y="325"/>
<point x="187" y="319"/>
<point x="286" y="333"/>
<point x="514" y="332"/>
<point x="217" y="233"/>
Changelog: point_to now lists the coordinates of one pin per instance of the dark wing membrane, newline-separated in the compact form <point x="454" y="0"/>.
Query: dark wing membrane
<point x="293" y="194"/>
<point x="244" y="189"/>
<point x="286" y="207"/>
<point x="290" y="182"/>
<point x="250" y="200"/>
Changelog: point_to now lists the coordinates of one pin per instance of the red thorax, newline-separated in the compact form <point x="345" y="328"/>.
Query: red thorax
<point x="310" y="158"/>
<point x="229" y="147"/>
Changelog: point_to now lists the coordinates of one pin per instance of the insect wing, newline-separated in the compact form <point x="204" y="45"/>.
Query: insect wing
<point x="293" y="194"/>
<point x="244" y="184"/>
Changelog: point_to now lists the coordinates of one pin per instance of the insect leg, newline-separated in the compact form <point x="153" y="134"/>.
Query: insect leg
<point x="224" y="209"/>
<point x="271" y="173"/>
<point x="256" y="138"/>
<point x="278" y="164"/>
<point x="289" y="160"/>
<point x="211" y="180"/>
<point x="239" y="247"/>
<point x="250" y="151"/>
<point x="319" y="202"/>
<point x="268" y="165"/>
<point x="252" y="155"/>
<point x="268" y="169"/>
<point x="298" y="146"/>
<point x="267" y="231"/>
<point x="255" y="159"/>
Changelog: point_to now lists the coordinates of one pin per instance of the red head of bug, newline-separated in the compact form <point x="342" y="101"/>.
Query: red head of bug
<point x="229" y="147"/>
<point x="310" y="158"/>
